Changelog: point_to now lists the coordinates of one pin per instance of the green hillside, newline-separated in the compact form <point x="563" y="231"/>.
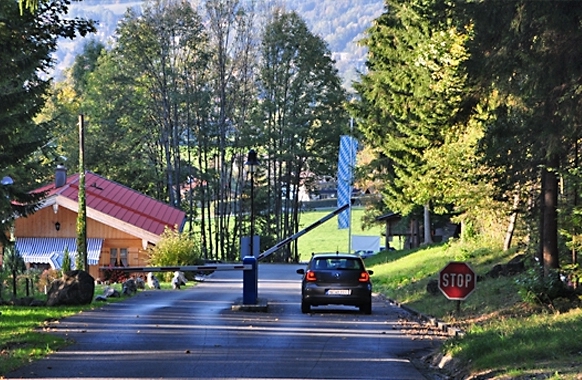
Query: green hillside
<point x="505" y="338"/>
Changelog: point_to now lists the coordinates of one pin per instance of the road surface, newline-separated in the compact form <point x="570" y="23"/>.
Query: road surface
<point x="194" y="333"/>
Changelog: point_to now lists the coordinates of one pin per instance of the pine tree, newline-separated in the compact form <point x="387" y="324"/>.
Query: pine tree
<point x="409" y="100"/>
<point x="526" y="54"/>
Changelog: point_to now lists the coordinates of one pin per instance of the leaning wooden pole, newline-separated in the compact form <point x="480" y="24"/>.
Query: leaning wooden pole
<point x="82" y="213"/>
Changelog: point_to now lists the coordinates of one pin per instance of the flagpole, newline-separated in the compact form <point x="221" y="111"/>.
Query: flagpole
<point x="350" y="186"/>
<point x="346" y="164"/>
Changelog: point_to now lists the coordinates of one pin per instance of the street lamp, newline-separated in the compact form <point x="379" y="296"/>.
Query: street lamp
<point x="251" y="164"/>
<point x="7" y="181"/>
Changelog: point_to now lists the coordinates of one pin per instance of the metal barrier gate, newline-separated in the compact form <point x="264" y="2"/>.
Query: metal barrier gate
<point x="185" y="268"/>
<point x="248" y="266"/>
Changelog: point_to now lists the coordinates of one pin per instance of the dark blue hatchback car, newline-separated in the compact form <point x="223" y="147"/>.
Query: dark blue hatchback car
<point x="336" y="279"/>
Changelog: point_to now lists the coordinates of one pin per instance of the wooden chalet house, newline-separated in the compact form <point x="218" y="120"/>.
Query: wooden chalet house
<point x="121" y="224"/>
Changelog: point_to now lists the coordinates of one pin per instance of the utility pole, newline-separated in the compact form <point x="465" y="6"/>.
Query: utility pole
<point x="82" y="212"/>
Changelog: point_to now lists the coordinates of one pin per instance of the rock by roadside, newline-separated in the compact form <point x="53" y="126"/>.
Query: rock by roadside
<point x="431" y="363"/>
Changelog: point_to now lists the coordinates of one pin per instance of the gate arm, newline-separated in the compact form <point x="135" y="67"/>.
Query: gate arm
<point x="280" y="244"/>
<point x="184" y="268"/>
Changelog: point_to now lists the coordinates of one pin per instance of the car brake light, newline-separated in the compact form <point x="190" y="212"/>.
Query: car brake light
<point x="310" y="276"/>
<point x="364" y="277"/>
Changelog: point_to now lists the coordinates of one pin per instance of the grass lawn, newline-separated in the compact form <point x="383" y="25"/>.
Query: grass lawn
<point x="21" y="340"/>
<point x="327" y="237"/>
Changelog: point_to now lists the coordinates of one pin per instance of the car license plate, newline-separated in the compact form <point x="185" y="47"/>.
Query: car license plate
<point x="339" y="292"/>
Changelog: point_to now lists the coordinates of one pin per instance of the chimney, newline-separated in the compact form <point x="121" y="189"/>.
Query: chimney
<point x="60" y="176"/>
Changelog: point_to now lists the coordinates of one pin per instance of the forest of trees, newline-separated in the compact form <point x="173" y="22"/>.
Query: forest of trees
<point x="340" y="23"/>
<point x="472" y="109"/>
<point x="466" y="110"/>
<point x="174" y="106"/>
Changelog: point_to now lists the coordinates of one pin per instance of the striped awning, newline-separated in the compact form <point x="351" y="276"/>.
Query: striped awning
<point x="51" y="250"/>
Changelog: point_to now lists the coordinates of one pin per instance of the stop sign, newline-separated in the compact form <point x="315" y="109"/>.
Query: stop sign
<point x="457" y="280"/>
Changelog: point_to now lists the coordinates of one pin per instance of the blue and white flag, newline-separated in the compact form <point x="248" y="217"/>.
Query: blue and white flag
<point x="345" y="177"/>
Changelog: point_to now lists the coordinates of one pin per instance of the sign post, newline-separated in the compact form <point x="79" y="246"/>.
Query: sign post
<point x="457" y="281"/>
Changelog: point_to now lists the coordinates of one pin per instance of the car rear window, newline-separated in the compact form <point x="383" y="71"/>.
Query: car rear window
<point x="336" y="263"/>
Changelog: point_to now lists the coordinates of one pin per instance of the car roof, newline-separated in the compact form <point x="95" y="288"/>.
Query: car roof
<point x="335" y="256"/>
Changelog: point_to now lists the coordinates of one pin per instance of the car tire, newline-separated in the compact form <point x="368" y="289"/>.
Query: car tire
<point x="305" y="307"/>
<point x="366" y="308"/>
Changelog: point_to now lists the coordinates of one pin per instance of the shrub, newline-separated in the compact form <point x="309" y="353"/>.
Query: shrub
<point x="66" y="267"/>
<point x="175" y="249"/>
<point x="573" y="273"/>
<point x="45" y="279"/>
<point x="536" y="288"/>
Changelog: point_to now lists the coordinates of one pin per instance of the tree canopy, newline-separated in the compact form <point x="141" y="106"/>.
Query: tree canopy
<point x="408" y="105"/>
<point x="27" y="41"/>
<point x="301" y="109"/>
<point x="475" y="98"/>
<point x="175" y="104"/>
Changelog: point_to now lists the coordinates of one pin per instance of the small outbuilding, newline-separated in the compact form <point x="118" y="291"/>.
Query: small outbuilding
<point x="409" y="230"/>
<point x="396" y="228"/>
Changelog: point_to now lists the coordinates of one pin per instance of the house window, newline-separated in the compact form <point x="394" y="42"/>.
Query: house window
<point x="118" y="257"/>
<point x="123" y="256"/>
<point x="113" y="257"/>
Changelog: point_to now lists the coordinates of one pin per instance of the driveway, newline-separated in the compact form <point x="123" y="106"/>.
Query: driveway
<point x="194" y="333"/>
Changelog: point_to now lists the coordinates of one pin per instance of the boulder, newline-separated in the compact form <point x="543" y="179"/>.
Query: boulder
<point x="129" y="287"/>
<point x="515" y="266"/>
<point x="178" y="280"/>
<point x="153" y="282"/>
<point x="74" y="288"/>
<point x="140" y="283"/>
<point x="432" y="287"/>
<point x="36" y="302"/>
<point x="110" y="292"/>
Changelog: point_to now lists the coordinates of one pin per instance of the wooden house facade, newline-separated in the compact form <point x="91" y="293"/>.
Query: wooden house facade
<point x="121" y="224"/>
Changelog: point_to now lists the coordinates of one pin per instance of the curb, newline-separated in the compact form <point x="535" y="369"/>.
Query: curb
<point x="263" y="306"/>
<point x="452" y="331"/>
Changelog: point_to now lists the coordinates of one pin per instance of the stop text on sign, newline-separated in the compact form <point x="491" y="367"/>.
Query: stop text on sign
<point x="457" y="279"/>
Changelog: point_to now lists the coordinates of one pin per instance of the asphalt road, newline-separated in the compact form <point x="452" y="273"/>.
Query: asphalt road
<point x="193" y="333"/>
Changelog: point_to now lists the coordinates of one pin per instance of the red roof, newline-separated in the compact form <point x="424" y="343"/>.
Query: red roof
<point x="120" y="202"/>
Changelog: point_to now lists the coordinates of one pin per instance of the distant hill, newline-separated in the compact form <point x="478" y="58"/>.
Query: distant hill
<point x="340" y="23"/>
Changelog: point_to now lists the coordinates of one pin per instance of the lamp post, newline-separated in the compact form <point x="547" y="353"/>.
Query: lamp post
<point x="6" y="181"/>
<point x="251" y="277"/>
<point x="252" y="164"/>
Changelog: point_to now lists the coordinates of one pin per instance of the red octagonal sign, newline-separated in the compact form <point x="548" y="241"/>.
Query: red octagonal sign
<point x="457" y="280"/>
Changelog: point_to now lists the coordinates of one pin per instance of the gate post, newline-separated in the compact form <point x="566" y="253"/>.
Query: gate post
<point x="250" y="281"/>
